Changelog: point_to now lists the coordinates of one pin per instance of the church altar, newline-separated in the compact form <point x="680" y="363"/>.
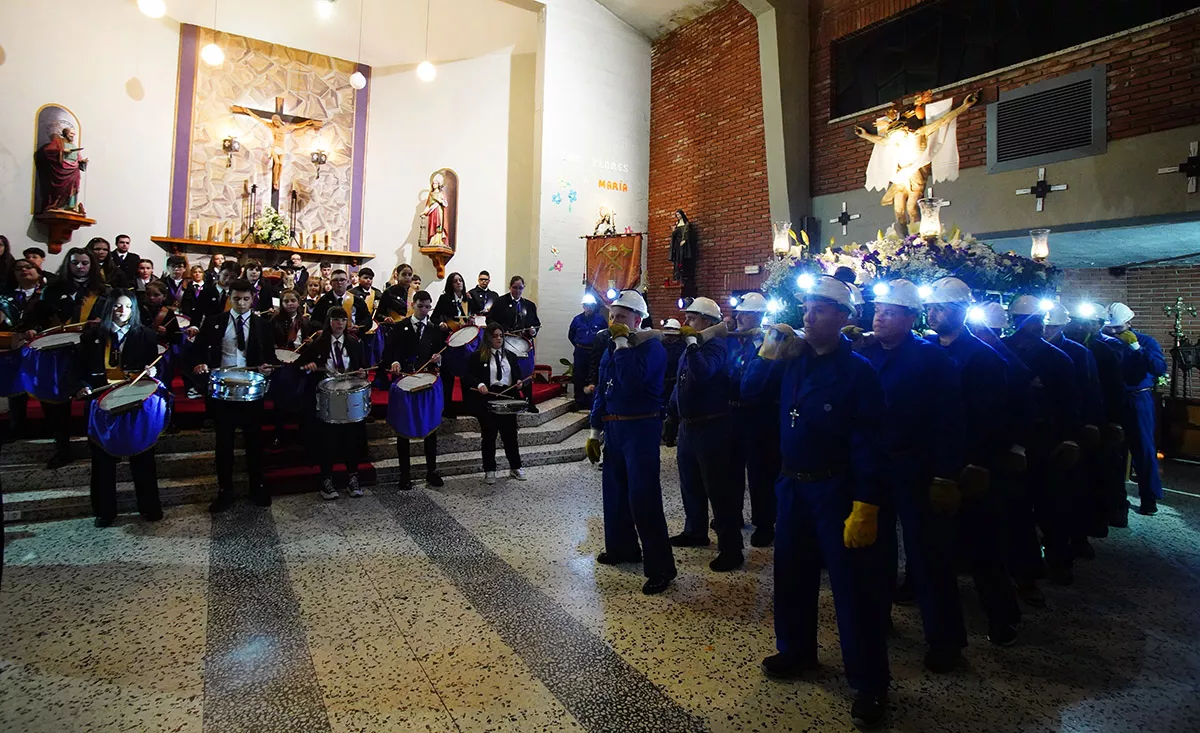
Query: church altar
<point x="181" y="245"/>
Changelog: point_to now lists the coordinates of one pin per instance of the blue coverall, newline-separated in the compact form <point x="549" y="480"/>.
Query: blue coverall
<point x="1142" y="368"/>
<point x="830" y="410"/>
<point x="755" y="458"/>
<point x="628" y="407"/>
<point x="1112" y="508"/>
<point x="1076" y="498"/>
<point x="582" y="334"/>
<point x="923" y="437"/>
<point x="701" y="404"/>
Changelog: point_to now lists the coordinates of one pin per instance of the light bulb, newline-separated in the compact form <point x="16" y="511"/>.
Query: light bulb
<point x="152" y="8"/>
<point x="357" y="80"/>
<point x="975" y="314"/>
<point x="212" y="55"/>
<point x="805" y="281"/>
<point x="1087" y="310"/>
<point x="774" y="306"/>
<point x="924" y="291"/>
<point x="324" y="9"/>
<point x="1046" y="304"/>
<point x="611" y="294"/>
<point x="733" y="301"/>
<point x="426" y="71"/>
<point x="880" y="290"/>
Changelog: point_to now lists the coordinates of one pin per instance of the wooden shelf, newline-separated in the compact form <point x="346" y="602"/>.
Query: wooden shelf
<point x="174" y="244"/>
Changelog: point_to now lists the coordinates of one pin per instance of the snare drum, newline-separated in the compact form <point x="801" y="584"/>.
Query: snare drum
<point x="47" y="366"/>
<point x="128" y="420"/>
<point x="287" y="356"/>
<point x="184" y="322"/>
<point x="343" y="399"/>
<point x="237" y="385"/>
<point x="459" y="347"/>
<point x="506" y="406"/>
<point x="415" y="405"/>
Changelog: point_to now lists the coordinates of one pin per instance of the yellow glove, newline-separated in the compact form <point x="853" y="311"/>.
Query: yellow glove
<point x="945" y="496"/>
<point x="974" y="481"/>
<point x="852" y="332"/>
<point x="1128" y="337"/>
<point x="1065" y="455"/>
<point x="861" y="526"/>
<point x="778" y="336"/>
<point x="686" y="331"/>
<point x="618" y="330"/>
<point x="592" y="447"/>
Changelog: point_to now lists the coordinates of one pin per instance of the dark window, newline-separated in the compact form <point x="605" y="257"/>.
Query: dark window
<point x="943" y="41"/>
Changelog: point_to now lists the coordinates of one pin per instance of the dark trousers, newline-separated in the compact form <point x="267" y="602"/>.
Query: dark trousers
<point x="341" y="442"/>
<point x="579" y="375"/>
<point x="506" y="426"/>
<point x="104" y="483"/>
<point x="703" y="456"/>
<point x="1139" y="433"/>
<point x="405" y="462"/>
<point x="632" y="491"/>
<point x="810" y="528"/>
<point x="982" y="541"/>
<point x="1045" y="503"/>
<point x="755" y="461"/>
<point x="18" y="408"/>
<point x="228" y="417"/>
<point x="58" y="415"/>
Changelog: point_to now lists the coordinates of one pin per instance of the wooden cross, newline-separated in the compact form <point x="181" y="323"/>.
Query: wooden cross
<point x="794" y="414"/>
<point x="1041" y="189"/>
<point x="280" y="125"/>
<point x="844" y="218"/>
<point x="1189" y="168"/>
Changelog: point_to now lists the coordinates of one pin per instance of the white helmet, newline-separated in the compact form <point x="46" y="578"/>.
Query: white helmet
<point x="751" y="303"/>
<point x="856" y="296"/>
<point x="993" y="315"/>
<point x="706" y="307"/>
<point x="671" y="324"/>
<point x="898" y="292"/>
<point x="1026" y="305"/>
<point x="632" y="300"/>
<point x="1089" y="311"/>
<point x="949" y="290"/>
<point x="587" y="299"/>
<point x="830" y="288"/>
<point x="1119" y="314"/>
<point x="1057" y="315"/>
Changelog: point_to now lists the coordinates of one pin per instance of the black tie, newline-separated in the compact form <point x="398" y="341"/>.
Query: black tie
<point x="499" y="376"/>
<point x="420" y="330"/>
<point x="115" y="356"/>
<point x="241" y="333"/>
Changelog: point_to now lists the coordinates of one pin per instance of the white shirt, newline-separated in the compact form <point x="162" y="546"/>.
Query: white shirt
<point x="417" y="322"/>
<point x="330" y="362"/>
<point x="231" y="355"/>
<point x="29" y="292"/>
<point x="504" y="375"/>
<point x="120" y="332"/>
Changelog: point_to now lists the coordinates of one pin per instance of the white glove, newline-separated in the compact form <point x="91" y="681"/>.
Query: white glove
<point x="596" y="434"/>
<point x="621" y="342"/>
<point x="691" y="340"/>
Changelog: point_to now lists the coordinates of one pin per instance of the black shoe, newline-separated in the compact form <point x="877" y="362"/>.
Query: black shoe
<point x="941" y="660"/>
<point x="1061" y="575"/>
<point x="223" y="501"/>
<point x="787" y="667"/>
<point x="434" y="479"/>
<point x="103" y="522"/>
<point x="904" y="595"/>
<point x="654" y="586"/>
<point x="404" y="484"/>
<point x="762" y="537"/>
<point x="1031" y="595"/>
<point x="532" y="410"/>
<point x="1004" y="635"/>
<point x="260" y="498"/>
<point x="1120" y="519"/>
<point x="868" y="711"/>
<point x="60" y="458"/>
<point x="153" y="516"/>
<point x="1083" y="550"/>
<point x="1148" y="507"/>
<point x="686" y="540"/>
<point x="609" y="558"/>
<point x="726" y="561"/>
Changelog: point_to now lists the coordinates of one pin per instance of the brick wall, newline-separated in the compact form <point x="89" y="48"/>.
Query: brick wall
<point x="1153" y="84"/>
<point x="1147" y="291"/>
<point x="708" y="152"/>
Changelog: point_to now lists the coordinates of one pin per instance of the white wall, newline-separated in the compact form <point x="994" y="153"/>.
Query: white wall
<point x="594" y="76"/>
<point x="115" y="69"/>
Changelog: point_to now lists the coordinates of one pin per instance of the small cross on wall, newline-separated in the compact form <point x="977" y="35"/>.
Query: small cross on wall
<point x="1189" y="167"/>
<point x="1041" y="189"/>
<point x="844" y="218"/>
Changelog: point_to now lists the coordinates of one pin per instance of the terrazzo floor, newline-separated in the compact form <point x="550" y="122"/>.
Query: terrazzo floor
<point x="474" y="607"/>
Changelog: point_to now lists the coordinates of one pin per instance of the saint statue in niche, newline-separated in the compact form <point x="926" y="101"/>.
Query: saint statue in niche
<point x="58" y="162"/>
<point x="439" y="218"/>
<point x="909" y="147"/>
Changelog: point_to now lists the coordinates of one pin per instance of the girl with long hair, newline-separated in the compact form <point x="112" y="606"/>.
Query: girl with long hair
<point x="492" y="372"/>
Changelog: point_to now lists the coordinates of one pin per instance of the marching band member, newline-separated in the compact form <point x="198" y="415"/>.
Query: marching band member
<point x="701" y="404"/>
<point x="175" y="280"/>
<point x="143" y="276"/>
<point x="365" y="290"/>
<point x="829" y="494"/>
<point x="413" y="288"/>
<point x="298" y="274"/>
<point x="325" y="269"/>
<point x="215" y="261"/>
<point x="627" y="412"/>
<point x="118" y="345"/>
<point x="312" y="294"/>
<point x="413" y="343"/>
<point x="335" y="351"/>
<point x="391" y="308"/>
<point x="18" y="311"/>
<point x="582" y="334"/>
<point x="265" y="294"/>
<point x="755" y="455"/>
<point x="492" y="372"/>
<point x="126" y="262"/>
<point x="159" y="316"/>
<point x="37" y="256"/>
<point x="1142" y="364"/>
<point x="238" y="337"/>
<point x="189" y="301"/>
<point x="518" y="315"/>
<point x="923" y="439"/>
<point x="111" y="274"/>
<point x="7" y="260"/>
<point x="482" y="296"/>
<point x="452" y="311"/>
<point x="291" y="328"/>
<point x="339" y="296"/>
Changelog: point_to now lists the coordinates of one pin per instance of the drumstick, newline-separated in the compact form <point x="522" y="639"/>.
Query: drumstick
<point x="148" y="368"/>
<point x="518" y="384"/>
<point x="431" y="358"/>
<point x="104" y="389"/>
<point x="59" y="328"/>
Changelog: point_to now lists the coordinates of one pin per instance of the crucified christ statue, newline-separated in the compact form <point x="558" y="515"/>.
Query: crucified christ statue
<point x="280" y="125"/>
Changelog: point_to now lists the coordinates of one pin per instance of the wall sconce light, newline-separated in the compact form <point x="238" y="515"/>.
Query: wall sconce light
<point x="1040" y="251"/>
<point x="319" y="159"/>
<point x="230" y="145"/>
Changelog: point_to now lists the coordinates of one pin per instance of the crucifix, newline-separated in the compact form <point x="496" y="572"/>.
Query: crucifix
<point x="929" y="195"/>
<point x="1189" y="168"/>
<point x="1041" y="189"/>
<point x="1177" y="311"/>
<point x="1184" y="355"/>
<point x="794" y="414"/>
<point x="280" y="125"/>
<point x="844" y="218"/>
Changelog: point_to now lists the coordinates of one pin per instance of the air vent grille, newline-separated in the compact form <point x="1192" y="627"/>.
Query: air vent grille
<point x="1048" y="122"/>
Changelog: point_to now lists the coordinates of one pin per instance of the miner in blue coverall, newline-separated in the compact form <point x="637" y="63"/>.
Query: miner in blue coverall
<point x="1142" y="365"/>
<point x="674" y="344"/>
<point x="828" y="495"/>
<point x="923" y="438"/>
<point x="582" y="335"/>
<point x="988" y="446"/>
<point x="1052" y="450"/>
<point x="755" y="457"/>
<point x="627" y="414"/>
<point x="700" y="403"/>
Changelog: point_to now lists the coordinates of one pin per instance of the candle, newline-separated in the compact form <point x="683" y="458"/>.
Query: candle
<point x="327" y="240"/>
<point x="191" y="230"/>
<point x="212" y="233"/>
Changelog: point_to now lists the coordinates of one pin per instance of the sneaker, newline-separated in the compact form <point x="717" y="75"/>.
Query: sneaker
<point x="762" y="537"/>
<point x="1148" y="507"/>
<point x="686" y="540"/>
<point x="192" y="394"/>
<point x="868" y="711"/>
<point x="518" y="474"/>
<point x="328" y="493"/>
<point x="1004" y="635"/>
<point x="726" y="561"/>
<point x="489" y="477"/>
<point x="787" y="666"/>
<point x="353" y="487"/>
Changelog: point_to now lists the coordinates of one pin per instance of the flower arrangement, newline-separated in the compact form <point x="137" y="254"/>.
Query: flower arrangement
<point x="271" y="228"/>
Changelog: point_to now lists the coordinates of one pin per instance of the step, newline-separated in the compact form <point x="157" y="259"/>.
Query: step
<point x="38" y="451"/>
<point x="67" y="503"/>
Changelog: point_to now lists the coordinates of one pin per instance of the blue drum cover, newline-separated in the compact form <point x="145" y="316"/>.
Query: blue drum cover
<point x="415" y="414"/>
<point x="48" y="374"/>
<point x="12" y="382"/>
<point x="132" y="432"/>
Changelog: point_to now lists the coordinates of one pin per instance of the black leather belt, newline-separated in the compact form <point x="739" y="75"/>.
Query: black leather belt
<point x="810" y="478"/>
<point x="701" y="418"/>
<point x="615" y="418"/>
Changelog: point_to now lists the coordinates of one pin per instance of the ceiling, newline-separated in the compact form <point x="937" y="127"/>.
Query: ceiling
<point x="393" y="31"/>
<point x="656" y="18"/>
<point x="1112" y="247"/>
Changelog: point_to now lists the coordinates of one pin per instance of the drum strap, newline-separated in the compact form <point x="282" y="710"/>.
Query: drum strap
<point x="162" y="316"/>
<point x="89" y="302"/>
<point x="112" y="370"/>
<point x="371" y="300"/>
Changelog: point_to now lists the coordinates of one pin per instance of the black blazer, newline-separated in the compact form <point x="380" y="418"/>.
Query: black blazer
<point x="505" y="313"/>
<point x="403" y="345"/>
<point x="183" y="289"/>
<point x="281" y="326"/>
<point x="265" y="294"/>
<point x="446" y="310"/>
<point x="393" y="300"/>
<point x="209" y="304"/>
<point x="127" y="267"/>
<point x="20" y="312"/>
<point x="317" y="351"/>
<point x="478" y="373"/>
<point x="172" y="334"/>
<point x="189" y="304"/>
<point x="58" y="306"/>
<point x="139" y="350"/>
<point x="361" y="316"/>
<point x="482" y="299"/>
<point x="290" y="281"/>
<point x="260" y="343"/>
